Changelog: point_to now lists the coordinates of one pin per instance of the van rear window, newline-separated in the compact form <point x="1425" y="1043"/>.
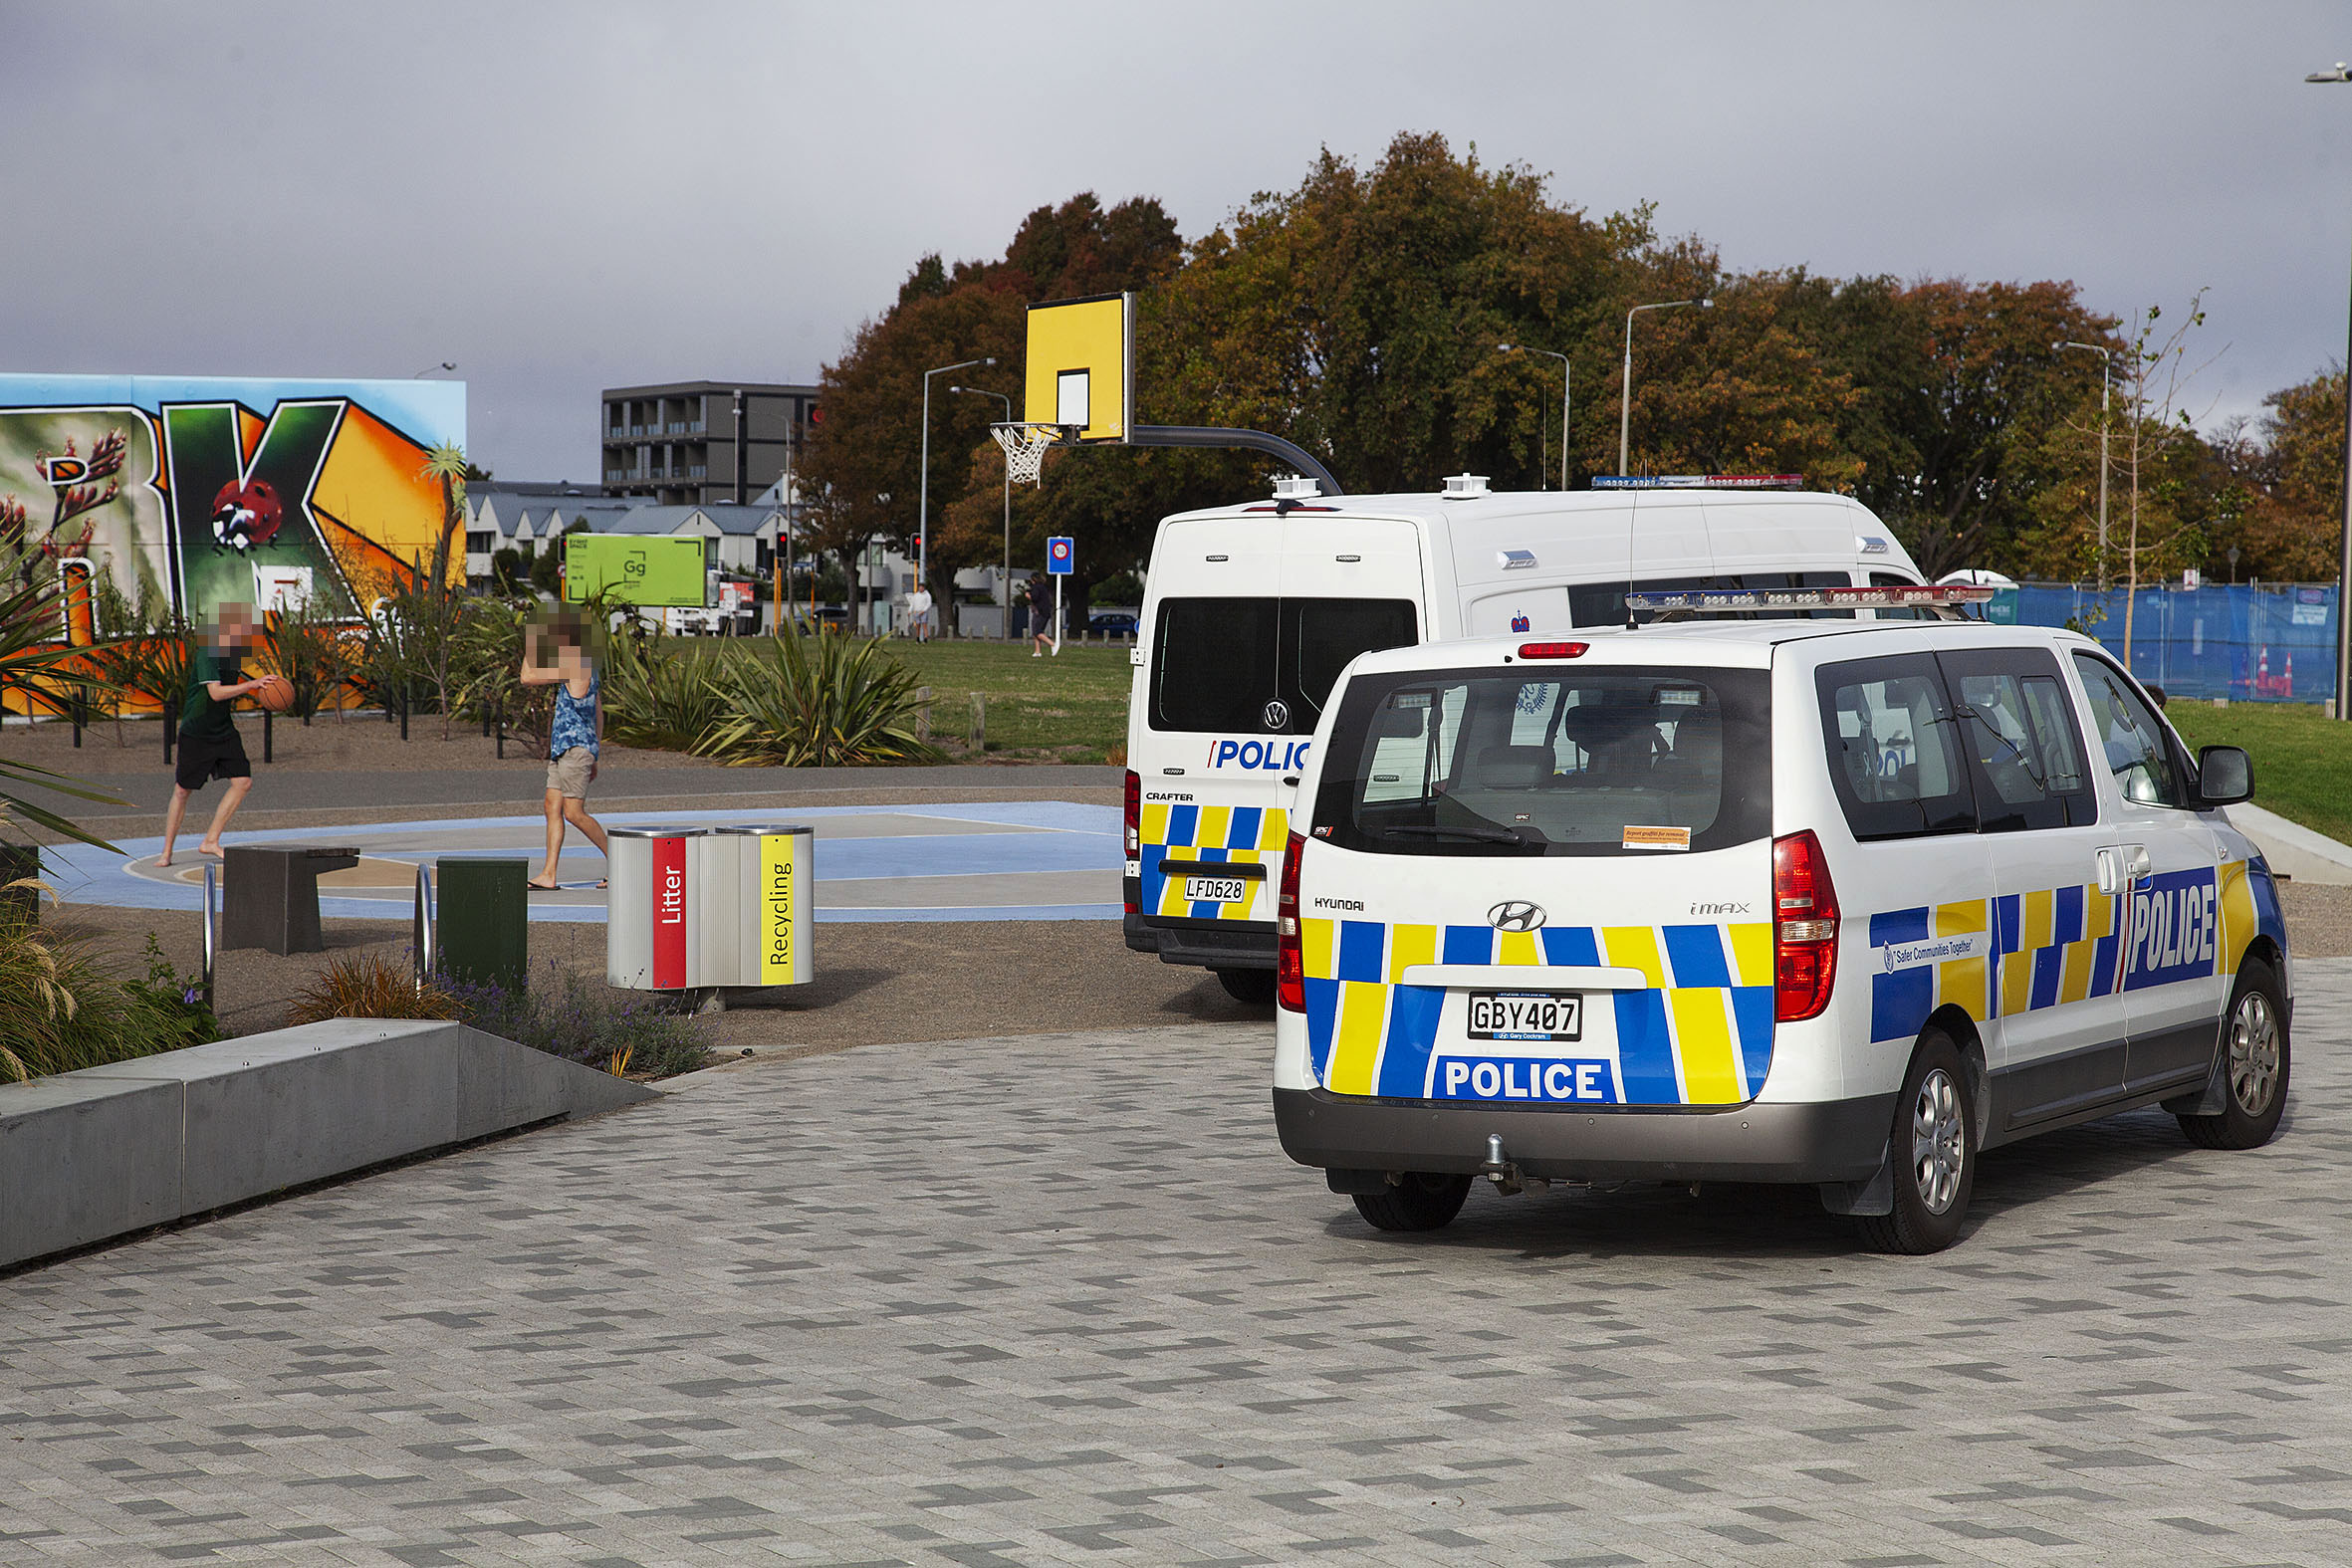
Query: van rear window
<point x="1549" y="760"/>
<point x="1219" y="663"/>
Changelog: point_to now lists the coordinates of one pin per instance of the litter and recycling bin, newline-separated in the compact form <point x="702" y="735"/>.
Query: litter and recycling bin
<point x="707" y="909"/>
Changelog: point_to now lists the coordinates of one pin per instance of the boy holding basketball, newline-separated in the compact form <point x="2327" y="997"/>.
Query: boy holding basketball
<point x="208" y="744"/>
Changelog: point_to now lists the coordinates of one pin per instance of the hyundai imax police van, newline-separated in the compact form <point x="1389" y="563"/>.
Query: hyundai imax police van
<point x="1832" y="902"/>
<point x="1251" y="612"/>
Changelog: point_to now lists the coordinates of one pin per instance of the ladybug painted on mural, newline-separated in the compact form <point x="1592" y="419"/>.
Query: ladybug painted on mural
<point x="244" y="515"/>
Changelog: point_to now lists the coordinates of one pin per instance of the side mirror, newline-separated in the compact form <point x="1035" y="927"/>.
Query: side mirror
<point x="2224" y="775"/>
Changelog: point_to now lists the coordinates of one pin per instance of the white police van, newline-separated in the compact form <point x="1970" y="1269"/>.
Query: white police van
<point x="1842" y="903"/>
<point x="1251" y="612"/>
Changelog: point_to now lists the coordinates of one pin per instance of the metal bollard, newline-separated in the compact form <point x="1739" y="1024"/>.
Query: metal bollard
<point x="268" y="740"/>
<point x="211" y="931"/>
<point x="979" y="722"/>
<point x="421" y="926"/>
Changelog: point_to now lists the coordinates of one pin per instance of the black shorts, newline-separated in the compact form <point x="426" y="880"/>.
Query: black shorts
<point x="203" y="758"/>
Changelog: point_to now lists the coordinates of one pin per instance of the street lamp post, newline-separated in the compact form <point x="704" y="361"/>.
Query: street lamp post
<point x="1005" y="586"/>
<point x="2106" y="368"/>
<point x="1566" y="387"/>
<point x="923" y="491"/>
<point x="1625" y="394"/>
<point x="2344" y="544"/>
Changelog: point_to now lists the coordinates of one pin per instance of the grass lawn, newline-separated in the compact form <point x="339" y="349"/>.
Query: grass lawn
<point x="1070" y="710"/>
<point x="2302" y="762"/>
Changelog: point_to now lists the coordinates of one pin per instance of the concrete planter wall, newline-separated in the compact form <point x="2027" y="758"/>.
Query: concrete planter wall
<point x="94" y="1154"/>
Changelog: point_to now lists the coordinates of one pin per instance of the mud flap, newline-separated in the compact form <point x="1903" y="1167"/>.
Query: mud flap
<point x="1351" y="1184"/>
<point x="1874" y="1196"/>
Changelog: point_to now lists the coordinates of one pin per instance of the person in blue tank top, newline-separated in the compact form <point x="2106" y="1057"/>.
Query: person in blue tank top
<point x="555" y="655"/>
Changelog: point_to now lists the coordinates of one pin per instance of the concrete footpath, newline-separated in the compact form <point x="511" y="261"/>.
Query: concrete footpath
<point x="1063" y="1299"/>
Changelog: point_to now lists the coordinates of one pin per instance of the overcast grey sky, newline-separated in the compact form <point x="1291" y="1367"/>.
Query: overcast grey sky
<point x="563" y="197"/>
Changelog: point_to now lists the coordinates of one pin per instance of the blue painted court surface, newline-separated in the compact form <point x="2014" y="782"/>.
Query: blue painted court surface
<point x="994" y="860"/>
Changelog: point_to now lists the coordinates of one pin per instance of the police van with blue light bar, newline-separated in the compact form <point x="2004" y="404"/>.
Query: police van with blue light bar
<point x="1719" y="897"/>
<point x="1252" y="611"/>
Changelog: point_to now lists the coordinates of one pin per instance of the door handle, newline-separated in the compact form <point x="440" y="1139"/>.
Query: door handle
<point x="2110" y="872"/>
<point x="2138" y="863"/>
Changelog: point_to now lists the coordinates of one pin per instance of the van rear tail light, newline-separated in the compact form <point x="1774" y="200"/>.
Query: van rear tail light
<point x="1290" y="968"/>
<point x="1804" y="929"/>
<point x="1553" y="650"/>
<point x="1134" y="809"/>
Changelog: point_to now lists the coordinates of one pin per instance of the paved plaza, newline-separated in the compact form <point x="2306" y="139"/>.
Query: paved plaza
<point x="1062" y="1299"/>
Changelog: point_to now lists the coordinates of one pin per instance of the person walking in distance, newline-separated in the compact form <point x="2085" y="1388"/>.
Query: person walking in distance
<point x="555" y="655"/>
<point x="919" y="613"/>
<point x="1040" y="614"/>
<point x="209" y="747"/>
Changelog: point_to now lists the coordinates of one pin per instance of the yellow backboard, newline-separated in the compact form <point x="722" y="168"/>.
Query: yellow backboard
<point x="1082" y="365"/>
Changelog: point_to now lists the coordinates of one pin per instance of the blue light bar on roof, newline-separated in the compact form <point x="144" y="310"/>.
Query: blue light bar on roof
<point x="1697" y="482"/>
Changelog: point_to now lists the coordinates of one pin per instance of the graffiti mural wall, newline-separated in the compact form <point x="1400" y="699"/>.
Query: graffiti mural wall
<point x="205" y="490"/>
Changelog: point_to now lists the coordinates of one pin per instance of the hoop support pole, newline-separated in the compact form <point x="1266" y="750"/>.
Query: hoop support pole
<point x="1245" y="440"/>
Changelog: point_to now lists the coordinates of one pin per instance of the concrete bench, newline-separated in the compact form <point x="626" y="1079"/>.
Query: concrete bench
<point x="272" y="897"/>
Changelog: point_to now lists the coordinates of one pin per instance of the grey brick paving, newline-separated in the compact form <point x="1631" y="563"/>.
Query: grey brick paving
<point x="1062" y="1300"/>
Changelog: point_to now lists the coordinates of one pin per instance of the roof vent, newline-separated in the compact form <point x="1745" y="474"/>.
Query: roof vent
<point x="1870" y="544"/>
<point x="1465" y="487"/>
<point x="1295" y="487"/>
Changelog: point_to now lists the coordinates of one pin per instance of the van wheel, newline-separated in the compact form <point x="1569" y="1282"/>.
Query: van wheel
<point x="1248" y="985"/>
<point x="1933" y="1148"/>
<point x="2254" y="1066"/>
<point x="1421" y="1202"/>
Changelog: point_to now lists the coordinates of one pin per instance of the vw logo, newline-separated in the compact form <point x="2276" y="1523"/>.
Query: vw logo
<point x="1515" y="914"/>
<point x="1278" y="714"/>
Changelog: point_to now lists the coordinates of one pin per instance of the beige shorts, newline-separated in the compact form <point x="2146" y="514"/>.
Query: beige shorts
<point x="567" y="774"/>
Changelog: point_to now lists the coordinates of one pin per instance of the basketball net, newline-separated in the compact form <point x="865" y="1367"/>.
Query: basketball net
<point x="1025" y="447"/>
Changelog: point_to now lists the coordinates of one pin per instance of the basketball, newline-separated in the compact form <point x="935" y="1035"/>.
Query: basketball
<point x="274" y="693"/>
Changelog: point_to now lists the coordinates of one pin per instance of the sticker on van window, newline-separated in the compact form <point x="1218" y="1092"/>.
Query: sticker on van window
<point x="1656" y="837"/>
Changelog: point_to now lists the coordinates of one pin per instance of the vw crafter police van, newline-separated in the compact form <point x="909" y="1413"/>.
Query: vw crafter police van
<point x="1251" y="612"/>
<point x="1841" y="903"/>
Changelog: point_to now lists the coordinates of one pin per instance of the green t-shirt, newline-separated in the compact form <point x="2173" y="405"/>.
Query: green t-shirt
<point x="199" y="716"/>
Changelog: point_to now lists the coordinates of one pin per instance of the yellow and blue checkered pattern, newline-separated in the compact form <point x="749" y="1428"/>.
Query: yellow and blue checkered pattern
<point x="1700" y="1033"/>
<point x="1236" y="834"/>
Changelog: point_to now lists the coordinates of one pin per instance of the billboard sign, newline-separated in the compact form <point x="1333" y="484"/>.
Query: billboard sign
<point x="208" y="489"/>
<point x="657" y="569"/>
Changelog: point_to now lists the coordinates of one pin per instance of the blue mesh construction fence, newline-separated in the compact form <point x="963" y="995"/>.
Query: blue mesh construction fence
<point x="2271" y="642"/>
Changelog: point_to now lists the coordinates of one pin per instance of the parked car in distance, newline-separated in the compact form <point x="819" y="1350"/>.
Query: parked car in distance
<point x="1117" y="623"/>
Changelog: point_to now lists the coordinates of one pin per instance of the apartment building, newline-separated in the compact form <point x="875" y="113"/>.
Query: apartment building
<point x="696" y="443"/>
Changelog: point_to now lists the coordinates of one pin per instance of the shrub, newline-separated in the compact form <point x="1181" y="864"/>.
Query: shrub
<point x="368" y="986"/>
<point x="307" y="647"/>
<point x="61" y="1011"/>
<point x="569" y="1015"/>
<point x="574" y="1016"/>
<point x="815" y="702"/>
<point x="662" y="692"/>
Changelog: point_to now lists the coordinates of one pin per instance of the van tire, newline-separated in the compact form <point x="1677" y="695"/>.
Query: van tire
<point x="1935" y="1130"/>
<point x="2254" y="1058"/>
<point x="1419" y="1201"/>
<point x="1253" y="985"/>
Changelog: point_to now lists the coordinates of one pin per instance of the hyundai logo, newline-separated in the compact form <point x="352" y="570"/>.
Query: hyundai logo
<point x="1278" y="714"/>
<point x="1515" y="914"/>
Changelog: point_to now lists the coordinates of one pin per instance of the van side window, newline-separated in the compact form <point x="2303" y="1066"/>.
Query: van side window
<point x="2128" y="735"/>
<point x="2021" y="738"/>
<point x="1896" y="579"/>
<point x="1894" y="748"/>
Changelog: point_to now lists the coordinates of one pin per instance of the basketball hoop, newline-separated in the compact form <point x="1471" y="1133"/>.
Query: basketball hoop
<point x="1025" y="446"/>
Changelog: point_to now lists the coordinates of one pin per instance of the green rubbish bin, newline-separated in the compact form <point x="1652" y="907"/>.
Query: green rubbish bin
<point x="482" y="921"/>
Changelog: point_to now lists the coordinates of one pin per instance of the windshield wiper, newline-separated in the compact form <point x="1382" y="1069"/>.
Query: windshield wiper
<point x="1490" y="835"/>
